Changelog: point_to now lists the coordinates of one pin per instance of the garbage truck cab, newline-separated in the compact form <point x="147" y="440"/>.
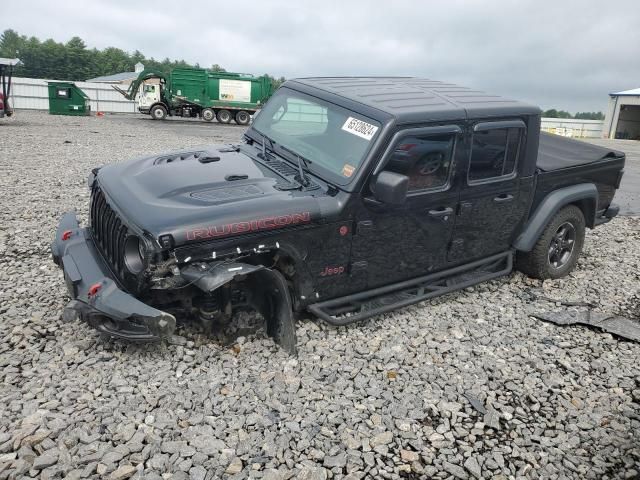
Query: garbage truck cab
<point x="149" y="96"/>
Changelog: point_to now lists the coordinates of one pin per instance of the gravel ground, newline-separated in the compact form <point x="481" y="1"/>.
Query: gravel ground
<point x="465" y="386"/>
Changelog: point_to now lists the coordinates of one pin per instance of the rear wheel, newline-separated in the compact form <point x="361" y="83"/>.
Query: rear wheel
<point x="557" y="250"/>
<point x="158" y="112"/>
<point x="224" y="116"/>
<point x="208" y="115"/>
<point x="243" y="117"/>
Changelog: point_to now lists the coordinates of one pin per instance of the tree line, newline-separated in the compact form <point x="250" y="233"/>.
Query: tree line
<point x="553" y="113"/>
<point x="74" y="61"/>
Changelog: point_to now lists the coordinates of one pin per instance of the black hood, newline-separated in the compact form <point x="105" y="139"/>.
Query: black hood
<point x="207" y="193"/>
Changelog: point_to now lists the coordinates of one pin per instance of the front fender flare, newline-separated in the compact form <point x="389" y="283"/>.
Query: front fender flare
<point x="268" y="293"/>
<point x="584" y="192"/>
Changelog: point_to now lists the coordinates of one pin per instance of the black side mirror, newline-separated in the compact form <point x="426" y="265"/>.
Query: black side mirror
<point x="391" y="188"/>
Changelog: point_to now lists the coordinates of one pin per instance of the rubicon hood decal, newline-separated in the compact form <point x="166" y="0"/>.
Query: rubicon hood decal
<point x="260" y="224"/>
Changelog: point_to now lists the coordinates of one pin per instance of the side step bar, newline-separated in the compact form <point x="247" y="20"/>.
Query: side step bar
<point x="360" y="306"/>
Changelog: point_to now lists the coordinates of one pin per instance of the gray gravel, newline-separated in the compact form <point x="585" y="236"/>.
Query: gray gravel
<point x="465" y="386"/>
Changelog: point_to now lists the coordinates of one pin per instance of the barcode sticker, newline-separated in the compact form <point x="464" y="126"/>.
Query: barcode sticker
<point x="358" y="127"/>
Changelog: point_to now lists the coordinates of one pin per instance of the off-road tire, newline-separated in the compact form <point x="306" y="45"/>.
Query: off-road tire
<point x="224" y="116"/>
<point x="537" y="263"/>
<point x="242" y="117"/>
<point x="158" y="112"/>
<point x="208" y="115"/>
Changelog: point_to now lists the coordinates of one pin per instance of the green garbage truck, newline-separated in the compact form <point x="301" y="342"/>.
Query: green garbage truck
<point x="66" y="98"/>
<point x="196" y="92"/>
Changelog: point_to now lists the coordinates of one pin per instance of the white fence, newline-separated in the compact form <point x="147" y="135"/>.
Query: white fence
<point x="33" y="93"/>
<point x="569" y="127"/>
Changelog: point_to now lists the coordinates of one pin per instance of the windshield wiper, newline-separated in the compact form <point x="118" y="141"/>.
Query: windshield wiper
<point x="301" y="178"/>
<point x="263" y="154"/>
<point x="264" y="147"/>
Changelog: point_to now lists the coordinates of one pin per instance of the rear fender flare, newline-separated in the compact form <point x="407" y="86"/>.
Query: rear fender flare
<point x="585" y="195"/>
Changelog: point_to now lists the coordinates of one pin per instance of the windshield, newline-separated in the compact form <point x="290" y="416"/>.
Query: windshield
<point x="333" y="140"/>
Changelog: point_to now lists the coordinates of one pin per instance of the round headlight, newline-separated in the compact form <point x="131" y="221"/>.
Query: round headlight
<point x="134" y="254"/>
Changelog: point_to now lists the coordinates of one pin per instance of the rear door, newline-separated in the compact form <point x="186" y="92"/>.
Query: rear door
<point x="493" y="200"/>
<point x="398" y="242"/>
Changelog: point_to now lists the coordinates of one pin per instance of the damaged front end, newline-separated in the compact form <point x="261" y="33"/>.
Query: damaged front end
<point x="96" y="296"/>
<point x="146" y="258"/>
<point x="207" y="291"/>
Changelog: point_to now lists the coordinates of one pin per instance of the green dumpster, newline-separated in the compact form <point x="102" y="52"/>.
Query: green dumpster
<point x="65" y="98"/>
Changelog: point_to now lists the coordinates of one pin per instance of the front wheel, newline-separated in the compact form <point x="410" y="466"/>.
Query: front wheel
<point x="243" y="118"/>
<point x="224" y="116"/>
<point x="208" y="115"/>
<point x="556" y="252"/>
<point x="158" y="112"/>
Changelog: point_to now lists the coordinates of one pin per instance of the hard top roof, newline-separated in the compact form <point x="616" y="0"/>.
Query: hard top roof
<point x="411" y="99"/>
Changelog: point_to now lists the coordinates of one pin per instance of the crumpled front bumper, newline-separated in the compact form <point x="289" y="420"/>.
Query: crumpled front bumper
<point x="97" y="299"/>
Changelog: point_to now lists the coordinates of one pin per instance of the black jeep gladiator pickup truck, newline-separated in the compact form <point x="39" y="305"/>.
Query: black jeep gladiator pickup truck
<point x="348" y="197"/>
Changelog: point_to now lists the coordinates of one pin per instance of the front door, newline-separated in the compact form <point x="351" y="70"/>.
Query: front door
<point x="397" y="242"/>
<point x="493" y="198"/>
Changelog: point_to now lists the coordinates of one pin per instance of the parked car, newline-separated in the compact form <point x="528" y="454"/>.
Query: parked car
<point x="348" y="198"/>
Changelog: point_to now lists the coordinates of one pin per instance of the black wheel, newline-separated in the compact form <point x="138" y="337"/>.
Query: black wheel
<point x="558" y="248"/>
<point x="158" y="112"/>
<point x="243" y="117"/>
<point x="224" y="116"/>
<point x="208" y="115"/>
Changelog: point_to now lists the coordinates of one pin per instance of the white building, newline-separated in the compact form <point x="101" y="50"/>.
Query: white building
<point x="623" y="115"/>
<point x="123" y="78"/>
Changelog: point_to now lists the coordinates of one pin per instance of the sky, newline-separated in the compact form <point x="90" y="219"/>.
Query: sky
<point x="562" y="54"/>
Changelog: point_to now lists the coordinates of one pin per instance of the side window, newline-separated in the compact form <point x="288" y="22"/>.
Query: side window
<point x="426" y="160"/>
<point x="494" y="153"/>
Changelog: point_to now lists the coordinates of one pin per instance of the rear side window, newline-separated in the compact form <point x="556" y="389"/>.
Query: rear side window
<point x="426" y="160"/>
<point x="494" y="153"/>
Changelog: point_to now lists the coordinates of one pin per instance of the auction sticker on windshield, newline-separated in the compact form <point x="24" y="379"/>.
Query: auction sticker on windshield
<point x="347" y="170"/>
<point x="358" y="127"/>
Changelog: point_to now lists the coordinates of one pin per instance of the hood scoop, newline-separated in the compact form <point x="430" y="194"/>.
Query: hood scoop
<point x="208" y="158"/>
<point x="202" y="157"/>
<point x="225" y="194"/>
<point x="178" y="157"/>
<point x="236" y="176"/>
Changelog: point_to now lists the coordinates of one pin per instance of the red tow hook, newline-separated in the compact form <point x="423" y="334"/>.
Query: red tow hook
<point x="66" y="235"/>
<point x="94" y="289"/>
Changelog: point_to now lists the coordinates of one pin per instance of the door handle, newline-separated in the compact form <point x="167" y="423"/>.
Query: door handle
<point x="505" y="197"/>
<point x="441" y="212"/>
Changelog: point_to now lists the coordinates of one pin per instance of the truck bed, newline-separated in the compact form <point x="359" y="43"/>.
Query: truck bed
<point x="563" y="162"/>
<point x="556" y="152"/>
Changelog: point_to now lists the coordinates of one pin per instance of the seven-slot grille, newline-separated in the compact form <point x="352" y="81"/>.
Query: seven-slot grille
<point x="108" y="231"/>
